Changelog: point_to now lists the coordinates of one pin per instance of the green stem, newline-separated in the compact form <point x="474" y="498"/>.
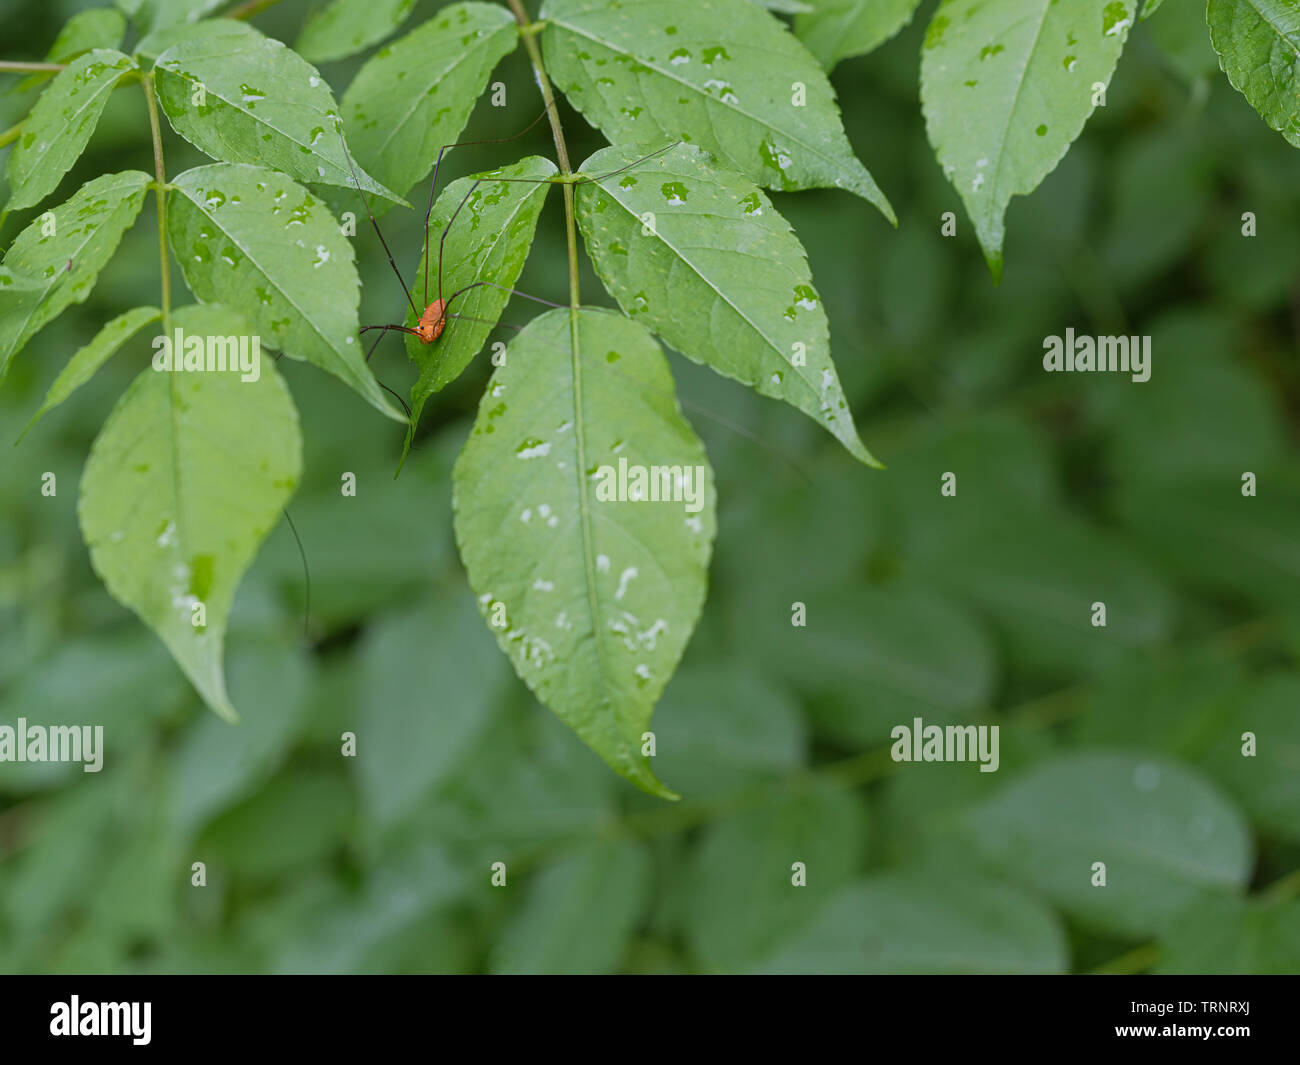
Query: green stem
<point x="7" y="66"/>
<point x="160" y="197"/>
<point x="11" y="134"/>
<point x="529" y="34"/>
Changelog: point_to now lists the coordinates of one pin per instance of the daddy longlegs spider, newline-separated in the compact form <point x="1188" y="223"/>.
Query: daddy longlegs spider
<point x="432" y="321"/>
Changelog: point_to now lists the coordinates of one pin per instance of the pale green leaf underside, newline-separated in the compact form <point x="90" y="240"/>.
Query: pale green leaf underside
<point x="345" y="27"/>
<point x="101" y="27"/>
<point x="38" y="282"/>
<point x="488" y="241"/>
<point x="415" y="96"/>
<point x="255" y="240"/>
<point x="579" y="913"/>
<point x="56" y="132"/>
<point x="838" y="29"/>
<point x="1166" y="835"/>
<point x="88" y="359"/>
<point x="1258" y="42"/>
<point x="1006" y="87"/>
<point x="908" y="923"/>
<point x="720" y="74"/>
<point x="186" y="478"/>
<point x="722" y="277"/>
<point x="600" y="596"/>
<point x="261" y="103"/>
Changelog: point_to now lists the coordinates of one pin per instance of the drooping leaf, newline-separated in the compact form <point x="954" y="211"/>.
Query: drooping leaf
<point x="256" y="241"/>
<point x="1233" y="936"/>
<point x="488" y="240"/>
<point x="172" y="517"/>
<point x="1258" y="42"/>
<point x="752" y="856"/>
<point x="592" y="598"/>
<point x="579" y="913"/>
<point x="344" y="27"/>
<point x="1006" y="87"/>
<point x="54" y="262"/>
<point x="88" y="359"/>
<point x="245" y="98"/>
<point x="722" y="74"/>
<point x="702" y="257"/>
<point x="838" y="29"/>
<point x="100" y="27"/>
<point x="911" y="922"/>
<point x="1167" y="838"/>
<point x="415" y="96"/>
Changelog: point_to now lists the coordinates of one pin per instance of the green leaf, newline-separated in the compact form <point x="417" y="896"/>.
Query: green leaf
<point x="244" y="98"/>
<point x="182" y="484"/>
<point x="750" y="856"/>
<point x="1006" y="87"/>
<point x="488" y="240"/>
<point x="406" y="746"/>
<point x="909" y="922"/>
<point x="344" y="27"/>
<point x="838" y="29"/>
<point x="702" y="257"/>
<point x="579" y="913"/>
<point x="56" y="132"/>
<point x="38" y="282"/>
<point x="1233" y="937"/>
<point x="785" y="7"/>
<point x="1258" y="42"/>
<point x="1150" y="8"/>
<point x="1168" y="838"/>
<point x="595" y="599"/>
<point x="256" y="241"/>
<point x="721" y="74"/>
<point x="101" y="27"/>
<point x="88" y="359"/>
<point x="415" y="96"/>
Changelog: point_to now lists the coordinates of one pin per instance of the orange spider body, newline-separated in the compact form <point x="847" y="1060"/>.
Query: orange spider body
<point x="432" y="322"/>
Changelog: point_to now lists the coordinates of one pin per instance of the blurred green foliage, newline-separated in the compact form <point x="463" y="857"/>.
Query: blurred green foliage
<point x="1119" y="744"/>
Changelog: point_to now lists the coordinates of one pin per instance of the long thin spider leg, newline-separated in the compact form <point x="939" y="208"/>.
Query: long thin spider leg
<point x="503" y="288"/>
<point x="447" y="229"/>
<point x="399" y="328"/>
<point x="434" y="184"/>
<point x="486" y="321"/>
<point x="635" y="162"/>
<point x="400" y="280"/>
<point x="306" y="572"/>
